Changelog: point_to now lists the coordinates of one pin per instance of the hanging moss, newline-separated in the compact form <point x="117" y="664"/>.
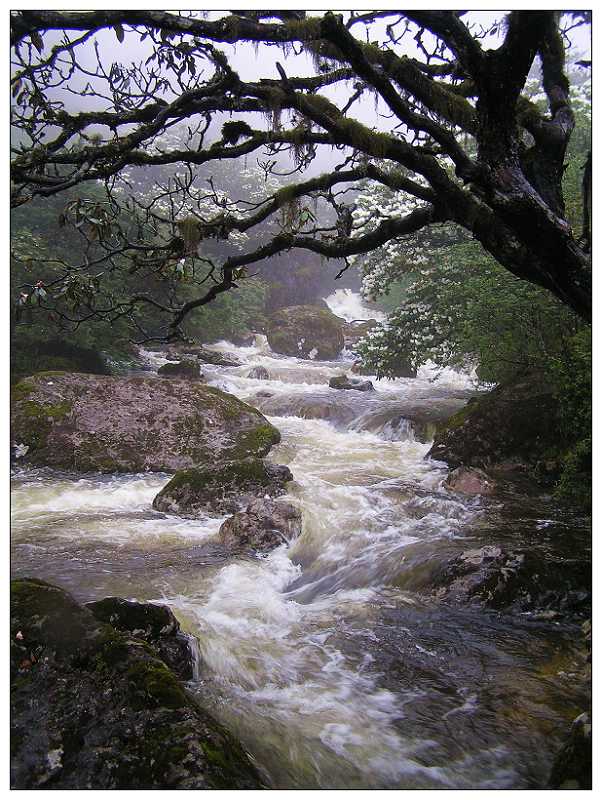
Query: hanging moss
<point x="190" y="232"/>
<point x="233" y="131"/>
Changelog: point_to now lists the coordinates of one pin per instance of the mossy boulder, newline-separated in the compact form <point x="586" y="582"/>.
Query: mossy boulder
<point x="136" y="424"/>
<point x="513" y="427"/>
<point x="96" y="708"/>
<point x="306" y="332"/>
<point x="225" y="487"/>
<point x="155" y="624"/>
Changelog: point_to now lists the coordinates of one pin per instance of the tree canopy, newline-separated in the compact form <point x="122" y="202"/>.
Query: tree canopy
<point x="454" y="133"/>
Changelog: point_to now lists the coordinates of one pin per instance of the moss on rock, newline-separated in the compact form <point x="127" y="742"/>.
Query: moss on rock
<point x="157" y="426"/>
<point x="111" y="712"/>
<point x="305" y="330"/>
<point x="223" y="487"/>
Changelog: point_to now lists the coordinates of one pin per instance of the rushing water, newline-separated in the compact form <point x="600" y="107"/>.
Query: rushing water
<point x="329" y="658"/>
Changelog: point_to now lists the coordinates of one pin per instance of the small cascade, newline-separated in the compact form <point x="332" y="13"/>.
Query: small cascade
<point x="351" y="307"/>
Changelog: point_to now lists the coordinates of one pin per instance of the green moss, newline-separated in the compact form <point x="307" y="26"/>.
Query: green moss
<point x="305" y="29"/>
<point x="21" y="390"/>
<point x="365" y="139"/>
<point x="256" y="442"/>
<point x="152" y="681"/>
<point x="458" y="419"/>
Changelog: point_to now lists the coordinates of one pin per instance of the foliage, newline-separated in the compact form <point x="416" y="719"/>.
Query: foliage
<point x="571" y="374"/>
<point x="461" y="143"/>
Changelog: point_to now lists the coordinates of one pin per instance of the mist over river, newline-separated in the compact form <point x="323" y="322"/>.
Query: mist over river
<point x="331" y="658"/>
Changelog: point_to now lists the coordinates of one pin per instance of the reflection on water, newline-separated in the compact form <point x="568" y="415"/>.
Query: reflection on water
<point x="328" y="657"/>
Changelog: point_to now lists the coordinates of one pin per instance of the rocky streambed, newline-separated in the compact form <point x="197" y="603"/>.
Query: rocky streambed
<point x="392" y="633"/>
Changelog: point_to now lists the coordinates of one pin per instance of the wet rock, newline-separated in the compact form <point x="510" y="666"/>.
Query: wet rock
<point x="469" y="481"/>
<point x="343" y="382"/>
<point x="259" y="374"/>
<point x="108" y="424"/>
<point x="154" y="624"/>
<point x="187" y="368"/>
<point x="226" y="487"/>
<point x="572" y="768"/>
<point x="264" y="525"/>
<point x="513" y="427"/>
<point x="243" y="339"/>
<point x="305" y="332"/>
<point x="96" y="708"/>
<point x="216" y="358"/>
<point x="518" y="580"/>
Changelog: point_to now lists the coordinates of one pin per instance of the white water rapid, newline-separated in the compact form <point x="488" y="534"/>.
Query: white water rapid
<point x="329" y="658"/>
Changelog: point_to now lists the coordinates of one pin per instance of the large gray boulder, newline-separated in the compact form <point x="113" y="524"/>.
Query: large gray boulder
<point x="93" y="707"/>
<point x="264" y="525"/>
<point x="305" y="332"/>
<point x="109" y="424"/>
<point x="221" y="488"/>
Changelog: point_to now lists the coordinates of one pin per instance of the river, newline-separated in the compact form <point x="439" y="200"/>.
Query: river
<point x="330" y="658"/>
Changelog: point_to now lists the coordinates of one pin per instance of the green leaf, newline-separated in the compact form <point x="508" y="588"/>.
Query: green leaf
<point x="119" y="32"/>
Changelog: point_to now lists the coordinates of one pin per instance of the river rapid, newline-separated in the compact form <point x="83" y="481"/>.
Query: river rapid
<point x="331" y="659"/>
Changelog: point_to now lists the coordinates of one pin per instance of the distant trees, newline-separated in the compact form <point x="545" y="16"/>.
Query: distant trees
<point x="457" y="137"/>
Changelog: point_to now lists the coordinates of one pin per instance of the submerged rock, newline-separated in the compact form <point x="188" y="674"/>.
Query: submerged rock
<point x="95" y="708"/>
<point x="259" y="374"/>
<point x="264" y="525"/>
<point x="343" y="382"/>
<point x="137" y="424"/>
<point x="155" y="624"/>
<point x="186" y="368"/>
<point x="572" y="768"/>
<point x="221" y="488"/>
<point x="513" y="427"/>
<point x="469" y="481"/>
<point x="306" y="332"/>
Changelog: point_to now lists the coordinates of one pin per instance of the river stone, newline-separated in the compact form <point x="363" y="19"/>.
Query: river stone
<point x="343" y="382"/>
<point x="306" y="332"/>
<point x="263" y="526"/>
<point x="572" y="768"/>
<point x="259" y="373"/>
<point x="469" y="481"/>
<point x="95" y="708"/>
<point x="519" y="580"/>
<point x="221" y="488"/>
<point x="156" y="624"/>
<point x="513" y="427"/>
<point x="186" y="368"/>
<point x="136" y="424"/>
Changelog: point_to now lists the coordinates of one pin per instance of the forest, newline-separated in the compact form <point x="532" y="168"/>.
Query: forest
<point x="301" y="383"/>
